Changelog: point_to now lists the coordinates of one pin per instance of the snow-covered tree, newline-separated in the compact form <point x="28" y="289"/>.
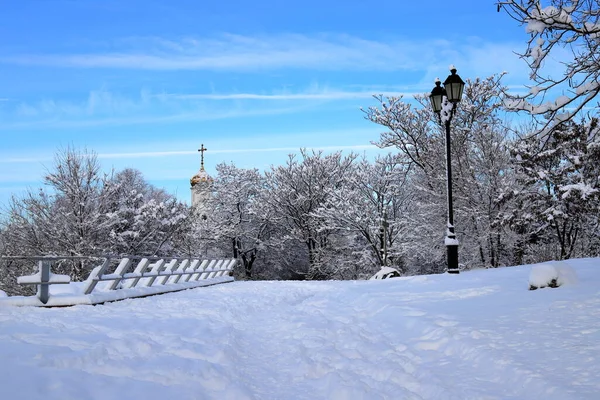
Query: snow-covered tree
<point x="84" y="212"/>
<point x="480" y="163"/>
<point x="481" y="142"/>
<point x="64" y="217"/>
<point x="368" y="211"/>
<point x="242" y="230"/>
<point x="76" y="182"/>
<point x="293" y="192"/>
<point x="140" y="219"/>
<point x="565" y="30"/>
<point x="560" y="203"/>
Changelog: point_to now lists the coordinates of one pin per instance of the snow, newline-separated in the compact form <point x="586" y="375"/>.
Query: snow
<point x="583" y="189"/>
<point x="37" y="277"/>
<point x="561" y="101"/>
<point x="534" y="26"/>
<point x="478" y="335"/>
<point x="74" y="292"/>
<point x="384" y="272"/>
<point x="542" y="275"/>
<point x="451" y="241"/>
<point x="535" y="90"/>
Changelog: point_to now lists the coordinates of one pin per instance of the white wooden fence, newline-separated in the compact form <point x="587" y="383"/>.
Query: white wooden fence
<point x="149" y="276"/>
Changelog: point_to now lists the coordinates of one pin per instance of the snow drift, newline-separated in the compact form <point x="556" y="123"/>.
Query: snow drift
<point x="478" y="335"/>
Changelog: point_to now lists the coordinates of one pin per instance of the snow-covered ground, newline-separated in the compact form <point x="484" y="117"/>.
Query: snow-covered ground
<point x="477" y="335"/>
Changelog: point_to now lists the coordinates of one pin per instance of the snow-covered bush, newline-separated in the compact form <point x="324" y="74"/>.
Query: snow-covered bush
<point x="551" y="275"/>
<point x="386" y="272"/>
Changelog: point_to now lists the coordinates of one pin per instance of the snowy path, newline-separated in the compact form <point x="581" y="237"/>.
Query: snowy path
<point x="479" y="335"/>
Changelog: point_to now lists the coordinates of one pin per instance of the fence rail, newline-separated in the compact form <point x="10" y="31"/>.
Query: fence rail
<point x="150" y="275"/>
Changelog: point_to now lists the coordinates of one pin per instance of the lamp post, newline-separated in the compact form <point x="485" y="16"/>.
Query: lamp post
<point x="452" y="91"/>
<point x="383" y="239"/>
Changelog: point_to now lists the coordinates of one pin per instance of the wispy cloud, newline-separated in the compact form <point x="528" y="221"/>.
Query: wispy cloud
<point x="23" y="160"/>
<point x="326" y="95"/>
<point x="104" y="108"/>
<point x="153" y="154"/>
<point x="424" y="60"/>
<point x="147" y="116"/>
<point x="237" y="52"/>
<point x="12" y="189"/>
<point x="159" y="154"/>
<point x="98" y="103"/>
<point x="252" y="53"/>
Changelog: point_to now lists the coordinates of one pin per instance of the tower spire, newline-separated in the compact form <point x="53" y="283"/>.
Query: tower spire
<point x="202" y="149"/>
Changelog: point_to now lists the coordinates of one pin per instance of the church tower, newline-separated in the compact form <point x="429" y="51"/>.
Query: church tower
<point x="201" y="183"/>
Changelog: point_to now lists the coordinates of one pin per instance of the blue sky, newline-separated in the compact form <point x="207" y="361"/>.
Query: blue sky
<point x="144" y="83"/>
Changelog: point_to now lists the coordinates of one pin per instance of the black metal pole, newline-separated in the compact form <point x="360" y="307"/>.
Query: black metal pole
<point x="450" y="240"/>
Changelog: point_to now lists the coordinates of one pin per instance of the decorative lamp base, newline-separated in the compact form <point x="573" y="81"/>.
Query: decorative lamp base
<point x="452" y="253"/>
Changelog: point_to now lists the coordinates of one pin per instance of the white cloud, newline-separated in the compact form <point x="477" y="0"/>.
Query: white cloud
<point x="153" y="154"/>
<point x="158" y="154"/>
<point x="23" y="160"/>
<point x="149" y="115"/>
<point x="424" y="59"/>
<point x="98" y="102"/>
<point x="104" y="108"/>
<point x="325" y="95"/>
<point x="259" y="53"/>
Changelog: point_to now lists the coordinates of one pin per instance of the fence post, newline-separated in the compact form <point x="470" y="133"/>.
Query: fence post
<point x="182" y="267"/>
<point x="228" y="267"/>
<point x="141" y="267"/>
<point x="191" y="269"/>
<point x="194" y="277"/>
<point x="95" y="275"/>
<point x="121" y="269"/>
<point x="155" y="271"/>
<point x="44" y="288"/>
<point x="167" y="272"/>
<point x="204" y="273"/>
<point x="215" y="269"/>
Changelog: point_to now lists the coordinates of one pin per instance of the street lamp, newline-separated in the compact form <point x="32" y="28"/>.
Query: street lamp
<point x="452" y="91"/>
<point x="383" y="239"/>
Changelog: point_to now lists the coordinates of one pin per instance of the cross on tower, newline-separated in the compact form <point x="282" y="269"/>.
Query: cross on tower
<point x="202" y="149"/>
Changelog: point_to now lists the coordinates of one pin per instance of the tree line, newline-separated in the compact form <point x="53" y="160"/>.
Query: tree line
<point x="518" y="199"/>
<point x="526" y="190"/>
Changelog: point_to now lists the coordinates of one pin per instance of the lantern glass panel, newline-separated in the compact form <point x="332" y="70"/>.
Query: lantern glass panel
<point x="454" y="86"/>
<point x="436" y="97"/>
<point x="436" y="102"/>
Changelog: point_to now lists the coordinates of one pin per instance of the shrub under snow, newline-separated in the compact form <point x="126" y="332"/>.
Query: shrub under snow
<point x="551" y="274"/>
<point x="386" y="272"/>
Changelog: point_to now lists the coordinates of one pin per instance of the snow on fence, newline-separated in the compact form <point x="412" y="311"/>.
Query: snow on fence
<point x="151" y="275"/>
